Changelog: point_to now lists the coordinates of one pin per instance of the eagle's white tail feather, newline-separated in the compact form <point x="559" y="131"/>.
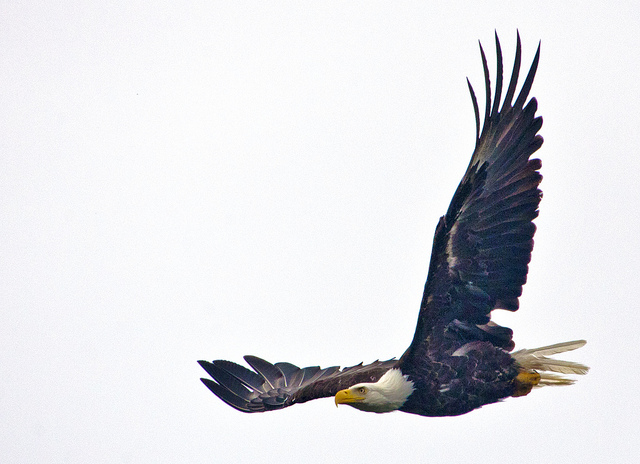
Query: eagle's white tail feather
<point x="547" y="378"/>
<point x="535" y="359"/>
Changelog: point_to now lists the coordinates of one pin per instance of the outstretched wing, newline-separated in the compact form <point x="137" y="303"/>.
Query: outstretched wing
<point x="276" y="386"/>
<point x="482" y="246"/>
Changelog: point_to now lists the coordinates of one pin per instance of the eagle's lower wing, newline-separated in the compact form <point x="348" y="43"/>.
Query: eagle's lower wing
<point x="276" y="386"/>
<point x="483" y="244"/>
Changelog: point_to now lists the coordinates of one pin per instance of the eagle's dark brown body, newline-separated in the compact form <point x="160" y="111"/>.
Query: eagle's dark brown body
<point x="450" y="385"/>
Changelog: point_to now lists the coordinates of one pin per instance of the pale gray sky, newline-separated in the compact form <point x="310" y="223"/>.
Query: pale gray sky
<point x="189" y="181"/>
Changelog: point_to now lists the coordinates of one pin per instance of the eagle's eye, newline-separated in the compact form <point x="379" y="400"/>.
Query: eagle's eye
<point x="362" y="390"/>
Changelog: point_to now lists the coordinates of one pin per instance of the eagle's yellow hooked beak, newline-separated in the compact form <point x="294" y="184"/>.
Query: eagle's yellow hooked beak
<point x="347" y="397"/>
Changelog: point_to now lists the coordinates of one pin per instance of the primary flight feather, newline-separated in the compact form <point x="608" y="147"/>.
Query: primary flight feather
<point x="459" y="359"/>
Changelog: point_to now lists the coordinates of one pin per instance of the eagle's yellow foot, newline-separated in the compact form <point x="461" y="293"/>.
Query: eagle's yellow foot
<point x="525" y="381"/>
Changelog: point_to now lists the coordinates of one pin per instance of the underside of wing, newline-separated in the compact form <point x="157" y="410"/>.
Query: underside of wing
<point x="275" y="386"/>
<point x="482" y="246"/>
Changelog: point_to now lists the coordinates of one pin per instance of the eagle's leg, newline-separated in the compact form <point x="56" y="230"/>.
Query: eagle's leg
<point x="525" y="381"/>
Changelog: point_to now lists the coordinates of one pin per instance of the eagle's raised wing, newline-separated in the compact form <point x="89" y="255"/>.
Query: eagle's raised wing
<point x="276" y="386"/>
<point x="482" y="245"/>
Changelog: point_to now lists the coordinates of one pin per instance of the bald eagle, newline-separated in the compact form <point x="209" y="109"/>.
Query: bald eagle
<point x="459" y="359"/>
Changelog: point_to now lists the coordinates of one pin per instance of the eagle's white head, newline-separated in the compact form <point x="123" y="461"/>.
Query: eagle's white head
<point x="386" y="395"/>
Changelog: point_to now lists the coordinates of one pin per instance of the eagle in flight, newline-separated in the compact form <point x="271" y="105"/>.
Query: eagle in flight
<point x="459" y="359"/>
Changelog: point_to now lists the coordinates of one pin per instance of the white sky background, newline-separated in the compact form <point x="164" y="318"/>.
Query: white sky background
<point x="190" y="181"/>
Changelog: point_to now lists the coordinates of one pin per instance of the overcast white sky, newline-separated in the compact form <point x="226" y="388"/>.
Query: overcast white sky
<point x="204" y="180"/>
